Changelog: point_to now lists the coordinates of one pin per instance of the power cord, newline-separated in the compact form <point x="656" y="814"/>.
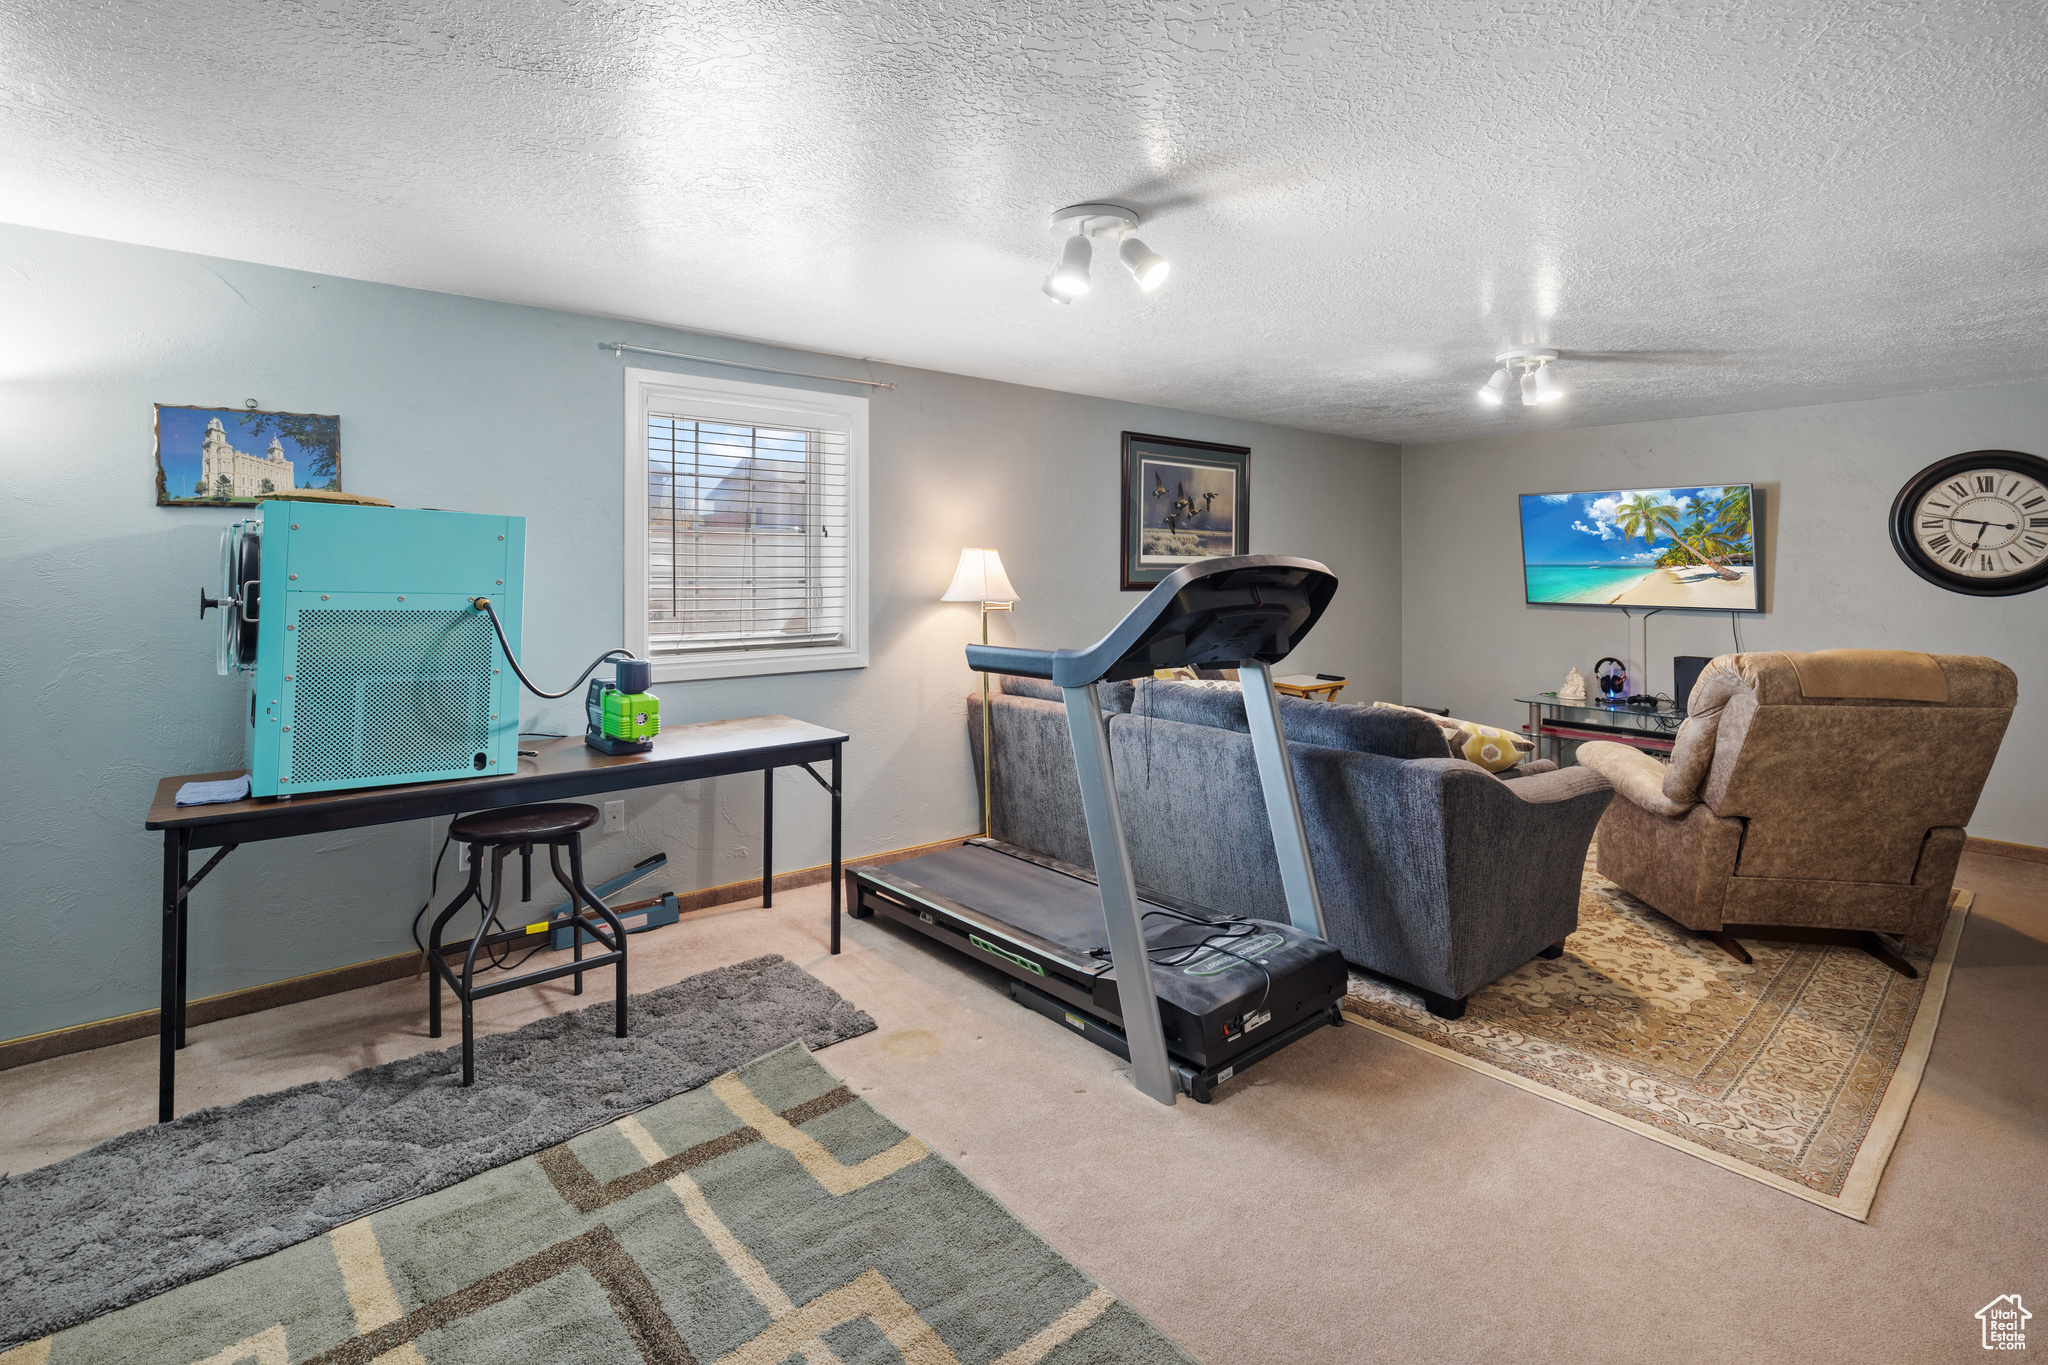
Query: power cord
<point x="1241" y="929"/>
<point x="498" y="962"/>
<point x="483" y="604"/>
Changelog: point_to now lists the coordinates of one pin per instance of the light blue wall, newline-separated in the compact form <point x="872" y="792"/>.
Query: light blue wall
<point x="107" y="680"/>
<point x="1829" y="474"/>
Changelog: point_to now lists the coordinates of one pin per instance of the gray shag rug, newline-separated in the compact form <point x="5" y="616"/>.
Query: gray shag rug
<point x="163" y="1206"/>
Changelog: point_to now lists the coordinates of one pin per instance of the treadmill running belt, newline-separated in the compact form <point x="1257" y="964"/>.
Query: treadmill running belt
<point x="1062" y="910"/>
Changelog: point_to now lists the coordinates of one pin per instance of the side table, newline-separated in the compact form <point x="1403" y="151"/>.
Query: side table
<point x="1574" y="722"/>
<point x="1308" y="687"/>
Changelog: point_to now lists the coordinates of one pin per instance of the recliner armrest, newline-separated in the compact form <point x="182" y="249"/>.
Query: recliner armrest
<point x="1637" y="776"/>
<point x="1559" y="784"/>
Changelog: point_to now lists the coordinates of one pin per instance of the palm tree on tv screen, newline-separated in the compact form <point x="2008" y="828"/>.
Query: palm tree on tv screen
<point x="1731" y="509"/>
<point x="1644" y="517"/>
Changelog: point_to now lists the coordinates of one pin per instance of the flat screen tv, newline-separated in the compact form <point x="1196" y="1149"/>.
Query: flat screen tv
<point x="1678" y="549"/>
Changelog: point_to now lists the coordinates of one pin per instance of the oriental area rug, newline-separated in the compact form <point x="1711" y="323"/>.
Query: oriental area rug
<point x="770" y="1216"/>
<point x="1795" y="1070"/>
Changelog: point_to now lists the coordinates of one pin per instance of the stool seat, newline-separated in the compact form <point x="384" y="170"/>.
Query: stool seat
<point x="524" y="824"/>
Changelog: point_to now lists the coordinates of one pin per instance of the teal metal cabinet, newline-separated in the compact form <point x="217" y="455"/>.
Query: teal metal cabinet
<point x="371" y="665"/>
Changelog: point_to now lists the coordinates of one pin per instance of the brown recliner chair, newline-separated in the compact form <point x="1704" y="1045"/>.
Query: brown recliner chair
<point x="1814" y="797"/>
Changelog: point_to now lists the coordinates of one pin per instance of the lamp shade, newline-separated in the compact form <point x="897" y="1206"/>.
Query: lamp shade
<point x="980" y="578"/>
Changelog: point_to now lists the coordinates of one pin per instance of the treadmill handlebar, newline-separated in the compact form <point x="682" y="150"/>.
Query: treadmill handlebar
<point x="1017" y="663"/>
<point x="1219" y="613"/>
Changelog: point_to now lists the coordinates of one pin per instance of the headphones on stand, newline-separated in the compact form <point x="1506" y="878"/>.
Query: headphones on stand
<point x="1613" y="680"/>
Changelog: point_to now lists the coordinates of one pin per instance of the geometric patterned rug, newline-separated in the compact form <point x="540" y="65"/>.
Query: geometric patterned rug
<point x="769" y="1216"/>
<point x="1795" y="1070"/>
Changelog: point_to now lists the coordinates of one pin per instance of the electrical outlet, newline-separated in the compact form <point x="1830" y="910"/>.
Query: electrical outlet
<point x="614" y="817"/>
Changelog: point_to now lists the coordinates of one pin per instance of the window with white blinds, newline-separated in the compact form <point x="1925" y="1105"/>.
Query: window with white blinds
<point x="748" y="527"/>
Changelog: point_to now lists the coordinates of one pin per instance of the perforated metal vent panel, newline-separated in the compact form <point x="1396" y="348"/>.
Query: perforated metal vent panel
<point x="389" y="693"/>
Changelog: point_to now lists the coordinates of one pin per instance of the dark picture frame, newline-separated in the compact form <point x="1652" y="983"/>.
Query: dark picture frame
<point x="1182" y="501"/>
<point x="305" y="450"/>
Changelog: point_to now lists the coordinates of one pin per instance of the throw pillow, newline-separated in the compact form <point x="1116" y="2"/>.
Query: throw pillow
<point x="1492" y="749"/>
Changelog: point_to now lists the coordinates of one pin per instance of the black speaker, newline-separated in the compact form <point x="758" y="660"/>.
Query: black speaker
<point x="1685" y="671"/>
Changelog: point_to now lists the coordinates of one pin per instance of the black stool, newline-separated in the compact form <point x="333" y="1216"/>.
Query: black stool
<point x="502" y="831"/>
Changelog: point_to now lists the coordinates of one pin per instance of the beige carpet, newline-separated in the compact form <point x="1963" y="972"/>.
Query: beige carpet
<point x="1424" y="1213"/>
<point x="1795" y="1070"/>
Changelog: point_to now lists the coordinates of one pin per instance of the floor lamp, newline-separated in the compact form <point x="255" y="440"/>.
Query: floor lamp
<point x="980" y="578"/>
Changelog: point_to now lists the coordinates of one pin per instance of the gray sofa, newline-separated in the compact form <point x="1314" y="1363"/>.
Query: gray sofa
<point x="1433" y="872"/>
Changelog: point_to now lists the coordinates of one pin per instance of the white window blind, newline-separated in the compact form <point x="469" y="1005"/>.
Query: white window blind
<point x="746" y="536"/>
<point x="749" y="535"/>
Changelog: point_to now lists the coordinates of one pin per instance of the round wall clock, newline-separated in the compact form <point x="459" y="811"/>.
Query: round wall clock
<point x="1976" y="523"/>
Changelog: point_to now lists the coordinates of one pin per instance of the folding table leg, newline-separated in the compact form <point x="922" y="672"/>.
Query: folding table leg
<point x="177" y="847"/>
<point x="837" y="870"/>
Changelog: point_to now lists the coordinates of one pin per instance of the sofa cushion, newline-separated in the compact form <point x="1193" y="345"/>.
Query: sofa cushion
<point x="1492" y="749"/>
<point x="1116" y="696"/>
<point x="1358" y="729"/>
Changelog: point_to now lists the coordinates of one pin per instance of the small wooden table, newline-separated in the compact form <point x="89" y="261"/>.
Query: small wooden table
<point x="1308" y="687"/>
<point x="562" y="769"/>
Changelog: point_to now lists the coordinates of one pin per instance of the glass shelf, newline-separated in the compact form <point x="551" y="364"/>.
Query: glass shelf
<point x="1664" y="710"/>
<point x="1554" y="724"/>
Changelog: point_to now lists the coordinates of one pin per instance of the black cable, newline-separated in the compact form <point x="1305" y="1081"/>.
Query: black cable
<point x="433" y="885"/>
<point x="1242" y="928"/>
<point x="483" y="604"/>
<point x="1735" y="629"/>
<point x="502" y="964"/>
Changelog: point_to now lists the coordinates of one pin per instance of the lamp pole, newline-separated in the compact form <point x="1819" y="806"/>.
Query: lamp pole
<point x="988" y="773"/>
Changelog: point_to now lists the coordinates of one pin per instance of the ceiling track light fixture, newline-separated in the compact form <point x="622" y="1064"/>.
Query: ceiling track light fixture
<point x="1532" y="364"/>
<point x="1079" y="224"/>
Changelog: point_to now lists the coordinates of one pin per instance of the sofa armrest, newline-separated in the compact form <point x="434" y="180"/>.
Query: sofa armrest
<point x="1528" y="767"/>
<point x="1637" y="776"/>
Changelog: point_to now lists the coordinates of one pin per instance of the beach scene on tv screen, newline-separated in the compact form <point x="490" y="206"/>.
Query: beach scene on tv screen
<point x="1642" y="547"/>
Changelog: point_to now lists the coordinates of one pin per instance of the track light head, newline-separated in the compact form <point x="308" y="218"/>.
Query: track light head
<point x="1147" y="266"/>
<point x="1070" y="277"/>
<point x="1533" y="363"/>
<point x="1045" y="288"/>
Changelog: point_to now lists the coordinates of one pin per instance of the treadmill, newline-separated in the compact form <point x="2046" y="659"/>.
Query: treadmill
<point x="1190" y="995"/>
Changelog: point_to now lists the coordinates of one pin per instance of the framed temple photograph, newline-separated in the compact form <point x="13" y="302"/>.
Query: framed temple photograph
<point x="230" y="457"/>
<point x="1182" y="501"/>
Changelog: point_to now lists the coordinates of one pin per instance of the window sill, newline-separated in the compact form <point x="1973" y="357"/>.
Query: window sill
<point x="756" y="663"/>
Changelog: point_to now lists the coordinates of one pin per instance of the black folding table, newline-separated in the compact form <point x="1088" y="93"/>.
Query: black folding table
<point x="562" y="769"/>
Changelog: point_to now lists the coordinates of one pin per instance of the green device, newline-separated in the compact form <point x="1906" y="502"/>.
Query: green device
<point x="624" y="717"/>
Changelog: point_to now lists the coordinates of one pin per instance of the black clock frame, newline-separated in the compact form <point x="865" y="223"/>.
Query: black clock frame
<point x="1904" y="506"/>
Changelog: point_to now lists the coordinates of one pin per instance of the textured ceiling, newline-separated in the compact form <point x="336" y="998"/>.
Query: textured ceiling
<point x="1707" y="207"/>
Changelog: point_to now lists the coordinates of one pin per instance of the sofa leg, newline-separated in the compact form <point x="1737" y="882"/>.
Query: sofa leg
<point x="1727" y="945"/>
<point x="1554" y="951"/>
<point x="1443" y="1007"/>
<point x="1880" y="950"/>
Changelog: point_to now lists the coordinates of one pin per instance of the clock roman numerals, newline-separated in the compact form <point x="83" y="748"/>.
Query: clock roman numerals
<point x="1977" y="523"/>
